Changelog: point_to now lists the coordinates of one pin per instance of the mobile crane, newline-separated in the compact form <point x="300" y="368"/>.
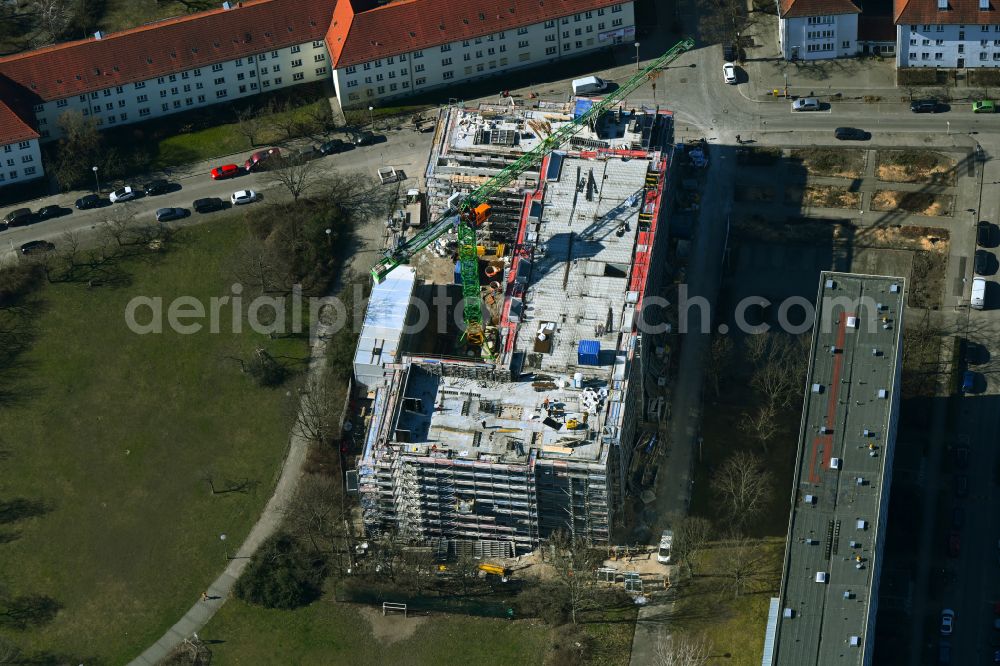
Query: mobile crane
<point x="473" y="210"/>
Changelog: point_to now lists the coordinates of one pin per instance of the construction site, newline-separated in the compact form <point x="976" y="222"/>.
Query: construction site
<point x="534" y="431"/>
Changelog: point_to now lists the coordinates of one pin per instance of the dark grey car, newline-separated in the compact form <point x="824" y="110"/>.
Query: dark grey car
<point x="167" y="214"/>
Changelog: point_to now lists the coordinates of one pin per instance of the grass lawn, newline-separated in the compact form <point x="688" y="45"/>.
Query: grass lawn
<point x="116" y="434"/>
<point x="187" y="147"/>
<point x="328" y="632"/>
<point x="733" y="626"/>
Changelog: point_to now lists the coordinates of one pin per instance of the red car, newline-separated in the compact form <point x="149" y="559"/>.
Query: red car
<point x="257" y="159"/>
<point x="225" y="171"/>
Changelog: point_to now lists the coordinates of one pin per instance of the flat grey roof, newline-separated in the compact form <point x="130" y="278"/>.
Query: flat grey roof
<point x="841" y="486"/>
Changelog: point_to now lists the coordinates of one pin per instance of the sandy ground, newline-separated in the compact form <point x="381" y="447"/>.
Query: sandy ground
<point x="921" y="203"/>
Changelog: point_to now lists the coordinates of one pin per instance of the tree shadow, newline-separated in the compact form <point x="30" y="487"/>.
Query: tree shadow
<point x="21" y="508"/>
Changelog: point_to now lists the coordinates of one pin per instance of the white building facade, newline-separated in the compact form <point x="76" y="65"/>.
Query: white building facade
<point x="190" y="89"/>
<point x="20" y="161"/>
<point x="817" y="36"/>
<point x="944" y="45"/>
<point x="362" y="83"/>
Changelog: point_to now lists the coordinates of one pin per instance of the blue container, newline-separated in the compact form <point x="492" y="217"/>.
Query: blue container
<point x="589" y="352"/>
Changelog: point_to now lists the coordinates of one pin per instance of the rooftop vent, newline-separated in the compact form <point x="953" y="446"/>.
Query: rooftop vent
<point x="894" y="288"/>
<point x="98" y="35"/>
<point x="465" y="21"/>
<point x="834" y="463"/>
<point x="830" y="284"/>
<point x="821" y="576"/>
<point x="854" y="640"/>
<point x="862" y="524"/>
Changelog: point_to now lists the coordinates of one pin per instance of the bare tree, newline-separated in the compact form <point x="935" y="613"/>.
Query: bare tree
<point x="724" y="21"/>
<point x="691" y="533"/>
<point x="743" y="562"/>
<point x="296" y="176"/>
<point x="260" y="268"/>
<point x="251" y="124"/>
<point x="574" y="563"/>
<point x="722" y="355"/>
<point x="762" y="424"/>
<point x="317" y="513"/>
<point x="756" y="346"/>
<point x="744" y="485"/>
<point x="321" y="410"/>
<point x="680" y="650"/>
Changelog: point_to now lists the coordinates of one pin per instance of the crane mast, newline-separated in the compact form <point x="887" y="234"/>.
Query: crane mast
<point x="472" y="211"/>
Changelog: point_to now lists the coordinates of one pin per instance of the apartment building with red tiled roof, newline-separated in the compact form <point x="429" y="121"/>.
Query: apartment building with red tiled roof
<point x="380" y="51"/>
<point x="947" y="33"/>
<point x="817" y="29"/>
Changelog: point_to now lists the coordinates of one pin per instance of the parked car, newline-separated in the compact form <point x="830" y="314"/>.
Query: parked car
<point x="973" y="353"/>
<point x="981" y="262"/>
<point x="944" y="653"/>
<point x="334" y="146"/>
<point x="954" y="544"/>
<point x="728" y="53"/>
<point x="258" y="160"/>
<point x="19" y="218"/>
<point x="243" y="197"/>
<point x="167" y="214"/>
<point x="89" y="201"/>
<point x="851" y="134"/>
<point x="154" y="187"/>
<point x="961" y="485"/>
<point x="208" y="204"/>
<point x="729" y="73"/>
<point x="983" y="106"/>
<point x="365" y="139"/>
<point x="805" y="104"/>
<point x="924" y="106"/>
<point x="225" y="171"/>
<point x="968" y="384"/>
<point x="123" y="194"/>
<point x="947" y="622"/>
<point x="49" y="212"/>
<point x="37" y="247"/>
<point x="957" y="518"/>
<point x="984" y="234"/>
<point x="304" y="155"/>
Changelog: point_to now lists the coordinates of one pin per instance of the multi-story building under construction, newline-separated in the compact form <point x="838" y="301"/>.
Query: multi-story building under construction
<point x="538" y="435"/>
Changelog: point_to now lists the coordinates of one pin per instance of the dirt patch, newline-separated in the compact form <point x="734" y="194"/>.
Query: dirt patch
<point x="832" y="162"/>
<point x="927" y="279"/>
<point x="389" y="629"/>
<point x="915" y="166"/>
<point x="753" y="193"/>
<point x="921" y="203"/>
<point x="823" y="196"/>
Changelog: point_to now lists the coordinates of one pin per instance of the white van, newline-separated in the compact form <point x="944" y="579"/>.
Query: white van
<point x="978" y="299"/>
<point x="588" y="84"/>
<point x="666" y="546"/>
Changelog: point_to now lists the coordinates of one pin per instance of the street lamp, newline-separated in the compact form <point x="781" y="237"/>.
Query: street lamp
<point x="637" y="56"/>
<point x="329" y="237"/>
<point x="371" y="116"/>
<point x="96" y="181"/>
<point x="222" y="538"/>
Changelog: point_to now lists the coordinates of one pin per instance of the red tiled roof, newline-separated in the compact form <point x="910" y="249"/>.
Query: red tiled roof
<point x="876" y="29"/>
<point x="958" y="12"/>
<point x="801" y="8"/>
<point x="361" y="33"/>
<point x="12" y="128"/>
<point x="167" y="46"/>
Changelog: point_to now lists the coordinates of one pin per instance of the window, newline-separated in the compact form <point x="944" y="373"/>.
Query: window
<point x="96" y="109"/>
<point x="982" y="56"/>
<point x="846" y="44"/>
<point x="243" y="90"/>
<point x="996" y="56"/>
<point x="565" y="34"/>
<point x="405" y="84"/>
<point x="27" y="158"/>
<point x="366" y="66"/>
<point x="465" y="42"/>
<point x="317" y="44"/>
<point x="277" y="80"/>
<point x="29" y="171"/>
<point x="123" y="117"/>
<point x="491" y="51"/>
<point x="479" y="54"/>
<point x="352" y="84"/>
<point x="913" y="42"/>
<point x="8" y="149"/>
<point x="381" y="90"/>
<point x="274" y="54"/>
<point x="368" y="79"/>
<point x="600" y="26"/>
<point x="109" y="106"/>
<point x="351" y="69"/>
<point x="298" y="76"/>
<point x="480" y="67"/>
<point x="403" y="72"/>
<point x="467" y="56"/>
<point x="295" y="63"/>
<point x="263" y="71"/>
<point x="221" y="93"/>
<point x="201" y="99"/>
<point x="551" y="50"/>
<point x="353" y="97"/>
<point x="197" y="72"/>
<point x="418" y="54"/>
<point x="445" y="48"/>
<point x="576" y="18"/>
<point x="418" y="68"/>
<point x="939" y="28"/>
<point x="216" y="67"/>
<point x="503" y="48"/>
<point x="550" y="24"/>
<point x="295" y="49"/>
<point x="93" y="95"/>
<point x="996" y="42"/>
<point x="985" y="28"/>
<point x="402" y="58"/>
<point x="927" y="28"/>
<point x="62" y="103"/>
<point x="173" y="91"/>
<point x="199" y="85"/>
<point x="578" y="32"/>
<point x="550" y="38"/>
<point x="600" y="12"/>
<point x="219" y="81"/>
<point x="13" y="174"/>
<point x="187" y="87"/>
<point x="239" y="76"/>
<point x="961" y="48"/>
<point x="925" y="56"/>
<point x="616" y="8"/>
<point x="43" y="121"/>
<point x="143" y="112"/>
<point x="445" y="62"/>
<point x="419" y="81"/>
<point x="239" y="62"/>
<point x="107" y="92"/>
<point x="938" y="42"/>
<point x="522" y="31"/>
<point x="925" y="42"/>
<point x="83" y="98"/>
<point x="276" y="68"/>
<point x="448" y="75"/>
<point x="392" y="75"/>
<point x="379" y="77"/>
<point x="320" y="71"/>
<point x="523" y="44"/>
<point x="939" y="56"/>
<point x="590" y="28"/>
<point x="319" y="57"/>
<point x="615" y="22"/>
<point x="173" y="77"/>
<point x="177" y="104"/>
<point x="392" y="87"/>
<point x="479" y="40"/>
<point x="390" y="60"/>
<point x="164" y="107"/>
<point x="565" y="48"/>
<point x="188" y="101"/>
